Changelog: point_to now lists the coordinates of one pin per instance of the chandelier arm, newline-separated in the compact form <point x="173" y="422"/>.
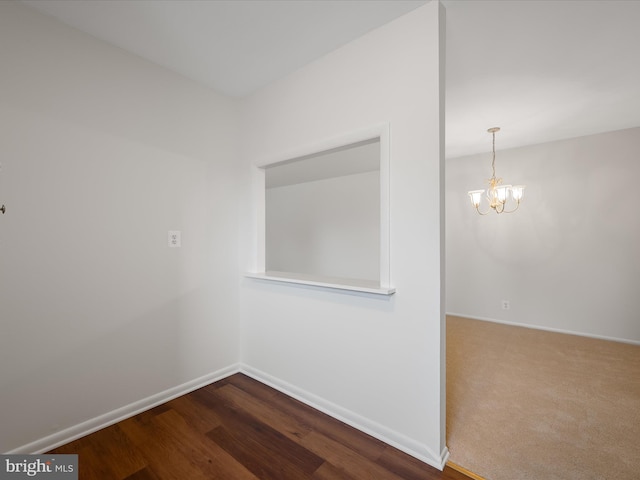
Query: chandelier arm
<point x="511" y="211"/>
<point x="478" y="210"/>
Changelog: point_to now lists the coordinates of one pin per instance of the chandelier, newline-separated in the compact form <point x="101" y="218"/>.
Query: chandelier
<point x="497" y="194"/>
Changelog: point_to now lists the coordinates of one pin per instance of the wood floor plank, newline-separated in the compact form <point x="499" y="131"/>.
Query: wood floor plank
<point x="362" y="443"/>
<point x="327" y="471"/>
<point x="111" y="442"/>
<point x="91" y="465"/>
<point x="167" y="441"/>
<point x="277" y="418"/>
<point x="147" y="416"/>
<point x="264" y="462"/>
<point x="107" y="443"/>
<point x="163" y="451"/>
<point x="201" y="419"/>
<point x="249" y="385"/>
<point x="146" y="473"/>
<point x="265" y="451"/>
<point x="344" y="458"/>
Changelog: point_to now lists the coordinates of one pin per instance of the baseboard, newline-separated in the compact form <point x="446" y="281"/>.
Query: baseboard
<point x="390" y="437"/>
<point x="546" y="329"/>
<point x="382" y="433"/>
<point x="102" y="421"/>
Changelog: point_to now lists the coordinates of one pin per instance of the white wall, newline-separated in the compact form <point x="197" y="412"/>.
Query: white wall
<point x="569" y="258"/>
<point x="375" y="362"/>
<point x="102" y="154"/>
<point x="328" y="227"/>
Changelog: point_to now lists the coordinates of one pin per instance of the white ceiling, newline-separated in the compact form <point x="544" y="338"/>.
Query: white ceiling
<point x="542" y="70"/>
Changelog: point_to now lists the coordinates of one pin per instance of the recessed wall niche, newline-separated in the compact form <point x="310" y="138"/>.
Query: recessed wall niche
<point x="324" y="219"/>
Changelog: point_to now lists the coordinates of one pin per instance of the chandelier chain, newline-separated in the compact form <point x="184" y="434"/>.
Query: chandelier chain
<point x="493" y="161"/>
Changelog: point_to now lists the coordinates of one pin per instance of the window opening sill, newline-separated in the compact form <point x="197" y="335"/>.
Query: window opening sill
<point x="356" y="285"/>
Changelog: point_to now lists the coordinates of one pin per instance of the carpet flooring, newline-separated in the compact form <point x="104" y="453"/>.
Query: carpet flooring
<point x="526" y="404"/>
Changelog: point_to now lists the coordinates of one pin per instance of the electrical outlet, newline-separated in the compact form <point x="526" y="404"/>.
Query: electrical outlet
<point x="174" y="238"/>
<point x="506" y="305"/>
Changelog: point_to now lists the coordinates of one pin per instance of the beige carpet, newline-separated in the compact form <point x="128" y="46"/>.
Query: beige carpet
<point x="535" y="405"/>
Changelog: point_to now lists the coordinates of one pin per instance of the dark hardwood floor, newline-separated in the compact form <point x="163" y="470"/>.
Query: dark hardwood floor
<point x="237" y="429"/>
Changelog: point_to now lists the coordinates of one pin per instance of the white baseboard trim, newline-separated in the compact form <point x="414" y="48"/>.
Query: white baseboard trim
<point x="102" y="421"/>
<point x="388" y="436"/>
<point x="546" y="329"/>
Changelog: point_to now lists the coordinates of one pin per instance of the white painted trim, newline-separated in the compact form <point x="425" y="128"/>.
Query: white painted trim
<point x="258" y="263"/>
<point x="546" y="329"/>
<point x="386" y="435"/>
<point x="385" y="206"/>
<point x="102" y="421"/>
<point x="381" y="131"/>
<point x="444" y="457"/>
<point x="319" y="282"/>
<point x="382" y="433"/>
